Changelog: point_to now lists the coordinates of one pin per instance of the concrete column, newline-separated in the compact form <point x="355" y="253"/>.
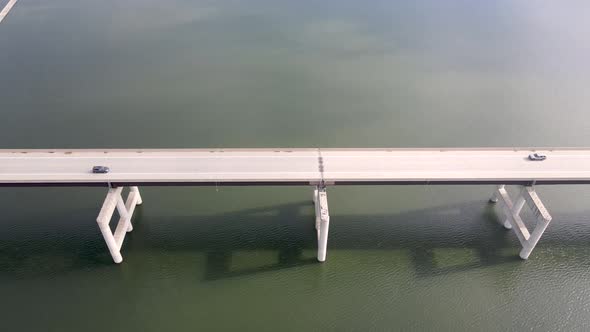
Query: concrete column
<point x="494" y="198"/>
<point x="111" y="243"/>
<point x="322" y="223"/>
<point x="528" y="247"/>
<point x="136" y="191"/>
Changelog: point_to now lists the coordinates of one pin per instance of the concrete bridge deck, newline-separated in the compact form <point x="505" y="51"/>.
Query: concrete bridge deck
<point x="294" y="166"/>
<point x="319" y="168"/>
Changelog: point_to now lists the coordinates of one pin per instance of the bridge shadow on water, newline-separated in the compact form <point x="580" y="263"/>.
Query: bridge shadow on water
<point x="286" y="232"/>
<point x="290" y="230"/>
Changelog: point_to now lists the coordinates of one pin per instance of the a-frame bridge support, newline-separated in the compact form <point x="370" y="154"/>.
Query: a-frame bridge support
<point x="513" y="220"/>
<point x="114" y="200"/>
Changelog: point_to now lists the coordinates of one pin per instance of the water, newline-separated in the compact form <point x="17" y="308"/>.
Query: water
<point x="261" y="73"/>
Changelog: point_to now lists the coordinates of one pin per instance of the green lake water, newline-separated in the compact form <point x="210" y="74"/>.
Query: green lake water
<point x="276" y="73"/>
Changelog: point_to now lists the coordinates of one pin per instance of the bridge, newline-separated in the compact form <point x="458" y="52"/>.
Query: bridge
<point x="317" y="168"/>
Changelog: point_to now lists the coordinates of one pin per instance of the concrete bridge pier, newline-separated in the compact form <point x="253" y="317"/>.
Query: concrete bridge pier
<point x="322" y="220"/>
<point x="513" y="221"/>
<point x="114" y="199"/>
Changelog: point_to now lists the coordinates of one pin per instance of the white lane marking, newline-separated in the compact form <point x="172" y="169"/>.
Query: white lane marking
<point x="7" y="9"/>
